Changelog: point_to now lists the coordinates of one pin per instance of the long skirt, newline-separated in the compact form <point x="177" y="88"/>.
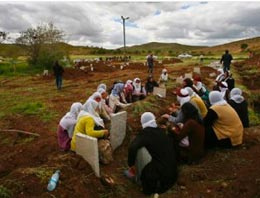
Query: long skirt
<point x="63" y="138"/>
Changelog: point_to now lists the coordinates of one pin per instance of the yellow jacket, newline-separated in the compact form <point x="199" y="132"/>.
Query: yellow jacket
<point x="201" y="105"/>
<point x="85" y="125"/>
<point x="228" y="124"/>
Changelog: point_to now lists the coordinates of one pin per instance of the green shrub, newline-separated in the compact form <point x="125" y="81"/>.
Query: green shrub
<point x="4" y="192"/>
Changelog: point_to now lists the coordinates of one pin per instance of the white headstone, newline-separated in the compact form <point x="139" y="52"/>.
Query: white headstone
<point x="196" y="70"/>
<point x="212" y="74"/>
<point x="188" y="75"/>
<point x="118" y="129"/>
<point x="159" y="91"/>
<point x="121" y="67"/>
<point x="46" y="72"/>
<point x="92" y="68"/>
<point x="142" y="159"/>
<point x="82" y="68"/>
<point x="87" y="147"/>
<point x="179" y="80"/>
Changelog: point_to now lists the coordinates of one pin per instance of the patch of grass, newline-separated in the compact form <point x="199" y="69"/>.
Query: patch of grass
<point x="5" y="141"/>
<point x="34" y="108"/>
<point x="25" y="140"/>
<point x="5" y="192"/>
<point x="254" y="118"/>
<point x="43" y="173"/>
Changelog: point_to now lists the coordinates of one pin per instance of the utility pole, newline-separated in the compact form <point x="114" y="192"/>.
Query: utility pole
<point x="124" y="18"/>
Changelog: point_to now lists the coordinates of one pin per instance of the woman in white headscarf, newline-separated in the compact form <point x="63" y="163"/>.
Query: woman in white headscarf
<point x="164" y="76"/>
<point x="152" y="157"/>
<point x="221" y="75"/>
<point x="238" y="102"/>
<point x="89" y="123"/>
<point x="105" y="110"/>
<point x="139" y="91"/>
<point x="222" y="124"/>
<point x="114" y="97"/>
<point x="66" y="126"/>
<point x="103" y="86"/>
<point x="223" y="87"/>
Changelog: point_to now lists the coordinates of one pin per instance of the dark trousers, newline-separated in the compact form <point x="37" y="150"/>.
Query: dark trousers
<point x="58" y="81"/>
<point x="150" y="69"/>
<point x="226" y="68"/>
<point x="212" y="141"/>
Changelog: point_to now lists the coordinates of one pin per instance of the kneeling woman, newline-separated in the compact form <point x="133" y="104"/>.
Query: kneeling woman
<point x="89" y="123"/>
<point x="160" y="168"/>
<point x="222" y="124"/>
<point x="66" y="126"/>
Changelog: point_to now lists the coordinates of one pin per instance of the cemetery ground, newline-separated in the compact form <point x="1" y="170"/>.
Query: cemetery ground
<point x="32" y="103"/>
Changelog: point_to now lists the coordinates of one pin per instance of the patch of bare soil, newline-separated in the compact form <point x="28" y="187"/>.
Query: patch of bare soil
<point x="27" y="163"/>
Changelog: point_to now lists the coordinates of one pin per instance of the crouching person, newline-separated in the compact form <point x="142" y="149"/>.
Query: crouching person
<point x="66" y="126"/>
<point x="159" y="162"/>
<point x="223" y="127"/>
<point x="89" y="123"/>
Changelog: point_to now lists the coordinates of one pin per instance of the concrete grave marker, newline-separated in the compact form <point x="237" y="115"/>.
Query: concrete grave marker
<point x="46" y="72"/>
<point x="196" y="70"/>
<point x="121" y="67"/>
<point x="159" y="91"/>
<point x="179" y="80"/>
<point x="188" y="75"/>
<point x="118" y="129"/>
<point x="212" y="74"/>
<point x="142" y="159"/>
<point x="87" y="147"/>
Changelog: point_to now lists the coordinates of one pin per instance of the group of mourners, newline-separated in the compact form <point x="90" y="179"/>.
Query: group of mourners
<point x="200" y="120"/>
<point x="92" y="118"/>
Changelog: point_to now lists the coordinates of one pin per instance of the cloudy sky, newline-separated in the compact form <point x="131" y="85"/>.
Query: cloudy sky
<point x="100" y="24"/>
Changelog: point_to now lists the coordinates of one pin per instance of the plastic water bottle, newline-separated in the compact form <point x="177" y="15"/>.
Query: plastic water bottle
<point x="53" y="181"/>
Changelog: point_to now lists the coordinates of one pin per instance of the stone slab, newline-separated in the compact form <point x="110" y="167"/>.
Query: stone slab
<point x="188" y="75"/>
<point x="196" y="70"/>
<point x="87" y="147"/>
<point x="142" y="159"/>
<point x="179" y="80"/>
<point x="159" y="91"/>
<point x="212" y="74"/>
<point x="118" y="129"/>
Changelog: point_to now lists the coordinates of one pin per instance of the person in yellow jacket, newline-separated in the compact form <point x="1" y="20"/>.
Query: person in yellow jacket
<point x="198" y="101"/>
<point x="222" y="123"/>
<point x="89" y="123"/>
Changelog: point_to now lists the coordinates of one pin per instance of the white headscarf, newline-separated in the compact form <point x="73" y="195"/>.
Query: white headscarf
<point x="103" y="101"/>
<point x="164" y="77"/>
<point x="148" y="120"/>
<point x="223" y="88"/>
<point x="69" y="120"/>
<point x="215" y="98"/>
<point x="128" y="82"/>
<point x="137" y="86"/>
<point x="89" y="109"/>
<point x="221" y="76"/>
<point x="190" y="92"/>
<point x="102" y="85"/>
<point x="184" y="97"/>
<point x="236" y="95"/>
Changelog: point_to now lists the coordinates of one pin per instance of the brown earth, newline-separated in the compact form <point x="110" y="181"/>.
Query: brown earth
<point x="27" y="163"/>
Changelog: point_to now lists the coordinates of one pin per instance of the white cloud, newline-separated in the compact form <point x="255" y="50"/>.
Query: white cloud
<point x="99" y="23"/>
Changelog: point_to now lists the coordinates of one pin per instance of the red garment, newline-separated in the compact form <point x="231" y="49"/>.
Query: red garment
<point x="63" y="138"/>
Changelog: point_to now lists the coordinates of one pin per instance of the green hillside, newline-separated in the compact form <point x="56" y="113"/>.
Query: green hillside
<point x="162" y="48"/>
<point x="234" y="47"/>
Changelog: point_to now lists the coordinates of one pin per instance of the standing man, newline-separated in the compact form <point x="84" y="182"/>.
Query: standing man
<point x="58" y="71"/>
<point x="150" y="63"/>
<point x="226" y="61"/>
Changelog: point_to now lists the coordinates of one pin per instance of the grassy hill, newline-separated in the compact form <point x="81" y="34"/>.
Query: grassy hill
<point x="157" y="48"/>
<point x="234" y="47"/>
<point x="162" y="48"/>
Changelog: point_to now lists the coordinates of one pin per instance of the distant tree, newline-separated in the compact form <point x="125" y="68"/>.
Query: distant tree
<point x="243" y="46"/>
<point x="170" y="52"/>
<point x="42" y="44"/>
<point x="3" y="36"/>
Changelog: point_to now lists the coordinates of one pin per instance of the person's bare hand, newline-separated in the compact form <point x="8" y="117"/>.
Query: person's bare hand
<point x="106" y="133"/>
